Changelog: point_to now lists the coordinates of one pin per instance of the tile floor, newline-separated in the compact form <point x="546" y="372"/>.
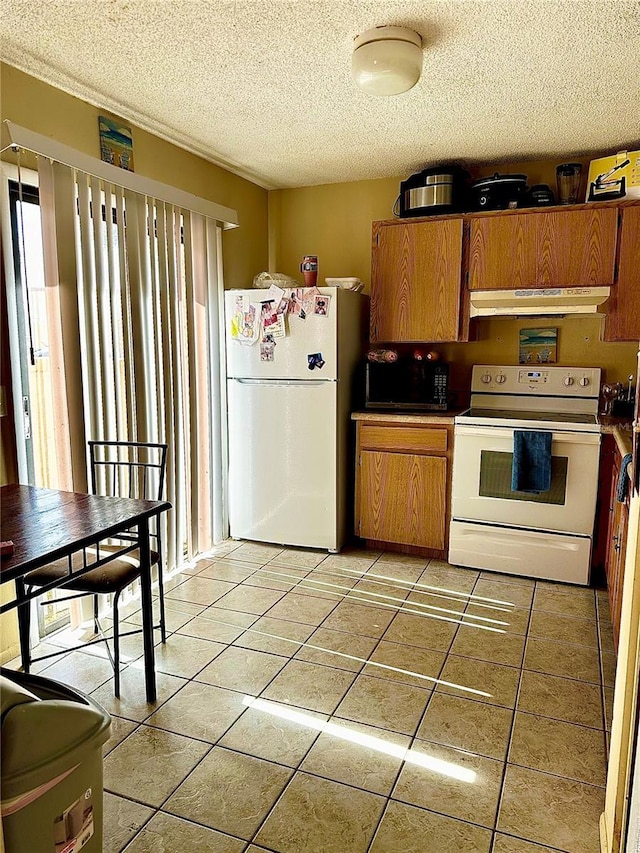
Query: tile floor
<point x="358" y="703"/>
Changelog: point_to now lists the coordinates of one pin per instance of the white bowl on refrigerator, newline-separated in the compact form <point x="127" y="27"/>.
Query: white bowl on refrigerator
<point x="349" y="283"/>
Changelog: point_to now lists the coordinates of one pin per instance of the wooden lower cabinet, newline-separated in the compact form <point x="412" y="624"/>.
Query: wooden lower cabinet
<point x="616" y="550"/>
<point x="404" y="498"/>
<point x="403" y="484"/>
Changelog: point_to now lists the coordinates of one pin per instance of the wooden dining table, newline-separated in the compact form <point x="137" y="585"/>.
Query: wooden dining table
<point x="47" y="524"/>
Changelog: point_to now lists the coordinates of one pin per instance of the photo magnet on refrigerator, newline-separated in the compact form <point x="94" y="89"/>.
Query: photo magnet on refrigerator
<point x="315" y="360"/>
<point x="321" y="305"/>
<point x="267" y="348"/>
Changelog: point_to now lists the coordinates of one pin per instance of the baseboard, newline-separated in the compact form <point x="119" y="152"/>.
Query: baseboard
<point x="414" y="550"/>
<point x="9" y="653"/>
<point x="604" y="845"/>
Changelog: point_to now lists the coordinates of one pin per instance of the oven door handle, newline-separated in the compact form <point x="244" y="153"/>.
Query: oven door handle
<point x="498" y="432"/>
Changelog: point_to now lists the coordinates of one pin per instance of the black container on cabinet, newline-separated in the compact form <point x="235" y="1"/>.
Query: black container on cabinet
<point x="438" y="190"/>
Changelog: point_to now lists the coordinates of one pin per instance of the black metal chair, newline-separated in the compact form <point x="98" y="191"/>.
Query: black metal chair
<point x="130" y="469"/>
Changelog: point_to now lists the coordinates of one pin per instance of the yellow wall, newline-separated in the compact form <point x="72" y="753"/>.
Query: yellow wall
<point x="9" y="638"/>
<point x="52" y="112"/>
<point x="333" y="221"/>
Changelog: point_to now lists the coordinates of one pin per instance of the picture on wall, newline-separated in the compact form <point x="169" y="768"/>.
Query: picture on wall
<point x="538" y="346"/>
<point x="116" y="143"/>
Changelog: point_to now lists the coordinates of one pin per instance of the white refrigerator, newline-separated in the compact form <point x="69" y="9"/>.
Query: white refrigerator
<point x="289" y="425"/>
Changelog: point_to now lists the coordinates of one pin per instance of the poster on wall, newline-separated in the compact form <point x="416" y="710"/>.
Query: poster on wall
<point x="538" y="346"/>
<point x="116" y="143"/>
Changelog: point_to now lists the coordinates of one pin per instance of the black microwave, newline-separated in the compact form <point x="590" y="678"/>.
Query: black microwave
<point x="406" y="385"/>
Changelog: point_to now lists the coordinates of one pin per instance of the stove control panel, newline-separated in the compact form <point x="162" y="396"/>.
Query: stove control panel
<point x="533" y="377"/>
<point x="530" y="380"/>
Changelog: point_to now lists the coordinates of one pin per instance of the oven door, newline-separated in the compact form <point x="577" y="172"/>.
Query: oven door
<point x="481" y="489"/>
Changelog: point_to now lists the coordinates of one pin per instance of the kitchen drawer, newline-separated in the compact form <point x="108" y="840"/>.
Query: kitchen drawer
<point x="403" y="439"/>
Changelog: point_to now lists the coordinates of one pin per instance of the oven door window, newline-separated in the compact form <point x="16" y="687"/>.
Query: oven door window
<point x="495" y="479"/>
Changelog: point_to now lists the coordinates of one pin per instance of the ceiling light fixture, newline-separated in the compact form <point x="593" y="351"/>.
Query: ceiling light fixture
<point x="387" y="60"/>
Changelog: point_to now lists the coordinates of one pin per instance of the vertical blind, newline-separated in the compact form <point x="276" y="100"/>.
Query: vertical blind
<point x="133" y="292"/>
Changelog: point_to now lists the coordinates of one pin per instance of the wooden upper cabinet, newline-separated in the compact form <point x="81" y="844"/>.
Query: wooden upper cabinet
<point x="623" y="307"/>
<point x="560" y="248"/>
<point x="416" y="274"/>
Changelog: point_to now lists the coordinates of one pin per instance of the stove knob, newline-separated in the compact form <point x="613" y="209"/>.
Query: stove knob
<point x="486" y="378"/>
<point x="501" y="378"/>
<point x="584" y="381"/>
<point x="568" y="380"/>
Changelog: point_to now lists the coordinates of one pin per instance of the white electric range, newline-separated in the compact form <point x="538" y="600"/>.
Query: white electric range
<point x="544" y="535"/>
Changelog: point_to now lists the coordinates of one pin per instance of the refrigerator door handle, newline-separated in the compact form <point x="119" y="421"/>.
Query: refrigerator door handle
<point x="297" y="382"/>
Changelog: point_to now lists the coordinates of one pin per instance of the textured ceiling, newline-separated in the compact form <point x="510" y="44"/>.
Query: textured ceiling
<point x="264" y="87"/>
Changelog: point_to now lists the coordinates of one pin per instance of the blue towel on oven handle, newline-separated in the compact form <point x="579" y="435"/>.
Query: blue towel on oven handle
<point x="622" y="486"/>
<point x="531" y="470"/>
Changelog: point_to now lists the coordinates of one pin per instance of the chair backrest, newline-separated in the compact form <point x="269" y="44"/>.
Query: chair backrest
<point x="128" y="469"/>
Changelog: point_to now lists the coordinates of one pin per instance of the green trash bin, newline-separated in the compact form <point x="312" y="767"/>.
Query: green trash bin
<point x="50" y="766"/>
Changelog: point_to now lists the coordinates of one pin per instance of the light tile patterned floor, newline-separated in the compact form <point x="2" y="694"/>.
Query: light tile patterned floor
<point x="358" y="703"/>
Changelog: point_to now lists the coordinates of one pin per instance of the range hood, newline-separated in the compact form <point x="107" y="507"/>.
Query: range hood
<point x="537" y="301"/>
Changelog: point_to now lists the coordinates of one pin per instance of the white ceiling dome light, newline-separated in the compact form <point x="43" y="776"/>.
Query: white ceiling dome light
<point x="387" y="60"/>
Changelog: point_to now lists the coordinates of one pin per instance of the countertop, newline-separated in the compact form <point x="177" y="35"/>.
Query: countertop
<point x="623" y="439"/>
<point x="443" y="418"/>
<point x="621" y="430"/>
<point x="608" y="422"/>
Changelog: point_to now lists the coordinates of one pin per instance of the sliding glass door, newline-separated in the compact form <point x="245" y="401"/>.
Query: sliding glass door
<point x="31" y="364"/>
<point x="115" y="313"/>
<point x="25" y="223"/>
